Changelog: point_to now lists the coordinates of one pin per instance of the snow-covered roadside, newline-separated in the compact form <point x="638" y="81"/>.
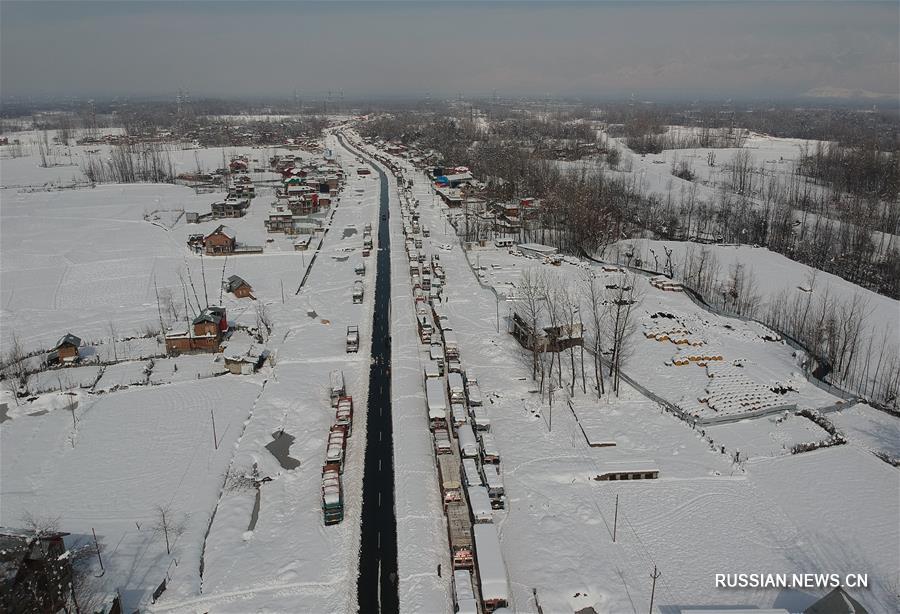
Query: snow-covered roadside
<point x="701" y="517"/>
<point x="290" y="559"/>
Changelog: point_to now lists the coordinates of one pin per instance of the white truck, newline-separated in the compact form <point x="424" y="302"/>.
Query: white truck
<point x="352" y="339"/>
<point x="338" y="389"/>
<point x="432" y="370"/>
<point x="490" y="453"/>
<point x="451" y="344"/>
<point x="468" y="445"/>
<point x="480" y="418"/>
<point x="473" y="391"/>
<point x="459" y="414"/>
<point x="463" y="593"/>
<point x="491" y="568"/>
<point x="436" y="353"/>
<point x="357" y="292"/>
<point x="442" y="443"/>
<point x="436" y="399"/>
<point x="480" y="504"/>
<point x="470" y="474"/>
<point x="494" y="481"/>
<point x="456" y="388"/>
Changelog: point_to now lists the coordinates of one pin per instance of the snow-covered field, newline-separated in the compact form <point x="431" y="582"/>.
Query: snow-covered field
<point x="130" y="452"/>
<point x="775" y="274"/>
<point x="771" y="158"/>
<point x="765" y="363"/>
<point x="705" y="514"/>
<point x="78" y="260"/>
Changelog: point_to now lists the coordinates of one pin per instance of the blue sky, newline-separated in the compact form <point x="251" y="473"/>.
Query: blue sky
<point x="753" y="49"/>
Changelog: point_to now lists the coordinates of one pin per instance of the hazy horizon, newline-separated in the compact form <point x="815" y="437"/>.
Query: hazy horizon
<point x="748" y="50"/>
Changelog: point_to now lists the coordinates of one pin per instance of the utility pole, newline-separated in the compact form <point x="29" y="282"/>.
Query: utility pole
<point x="616" y="519"/>
<point x="97" y="548"/>
<point x="215" y="438"/>
<point x="654" y="575"/>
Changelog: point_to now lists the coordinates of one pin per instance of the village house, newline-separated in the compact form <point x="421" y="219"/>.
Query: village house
<point x="65" y="350"/>
<point x="238" y="165"/>
<point x="243" y="356"/>
<point x="219" y="241"/>
<point x="230" y="207"/>
<point x="203" y="335"/>
<point x="550" y="337"/>
<point x="238" y="287"/>
<point x="34" y="572"/>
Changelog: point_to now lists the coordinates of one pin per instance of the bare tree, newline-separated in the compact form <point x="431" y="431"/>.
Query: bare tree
<point x="170" y="524"/>
<point x="593" y="295"/>
<point x="530" y="307"/>
<point x="263" y="321"/>
<point x="621" y="301"/>
<point x="15" y="368"/>
<point x="568" y="299"/>
<point x="113" y="335"/>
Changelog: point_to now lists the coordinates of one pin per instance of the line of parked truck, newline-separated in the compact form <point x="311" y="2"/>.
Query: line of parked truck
<point x="336" y="450"/>
<point x="468" y="460"/>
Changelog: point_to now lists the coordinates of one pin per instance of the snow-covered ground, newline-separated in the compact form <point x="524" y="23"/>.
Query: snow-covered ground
<point x="776" y="278"/>
<point x="80" y="260"/>
<point x="771" y="158"/>
<point x="130" y="452"/>
<point x="765" y="363"/>
<point x="705" y="514"/>
<point x="76" y="260"/>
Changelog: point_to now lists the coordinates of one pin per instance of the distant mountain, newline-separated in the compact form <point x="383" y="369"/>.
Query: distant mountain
<point x="844" y="93"/>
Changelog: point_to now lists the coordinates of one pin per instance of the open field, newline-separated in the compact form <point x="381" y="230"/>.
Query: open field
<point x="559" y="521"/>
<point x="130" y="452"/>
<point x="148" y="439"/>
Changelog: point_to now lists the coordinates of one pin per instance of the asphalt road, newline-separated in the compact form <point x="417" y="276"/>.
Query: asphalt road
<point x="377" y="582"/>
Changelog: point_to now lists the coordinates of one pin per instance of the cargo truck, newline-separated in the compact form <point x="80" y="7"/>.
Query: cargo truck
<point x="338" y="388"/>
<point x="332" y="494"/>
<point x="352" y="339"/>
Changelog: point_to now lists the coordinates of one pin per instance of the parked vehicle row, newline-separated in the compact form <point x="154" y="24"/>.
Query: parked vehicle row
<point x="469" y="467"/>
<point x="336" y="450"/>
<point x="466" y="455"/>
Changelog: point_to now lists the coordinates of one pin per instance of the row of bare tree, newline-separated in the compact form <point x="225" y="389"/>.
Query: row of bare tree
<point x="837" y="330"/>
<point x="600" y="314"/>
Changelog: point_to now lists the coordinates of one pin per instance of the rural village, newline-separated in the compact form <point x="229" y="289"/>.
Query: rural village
<point x="446" y="354"/>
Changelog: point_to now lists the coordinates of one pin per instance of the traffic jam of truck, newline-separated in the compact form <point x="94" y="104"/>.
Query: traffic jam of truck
<point x="466" y="455"/>
<point x="336" y="450"/>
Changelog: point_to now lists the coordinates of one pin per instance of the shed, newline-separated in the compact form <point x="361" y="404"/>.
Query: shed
<point x="536" y="249"/>
<point x="239" y="287"/>
<point x="66" y="349"/>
